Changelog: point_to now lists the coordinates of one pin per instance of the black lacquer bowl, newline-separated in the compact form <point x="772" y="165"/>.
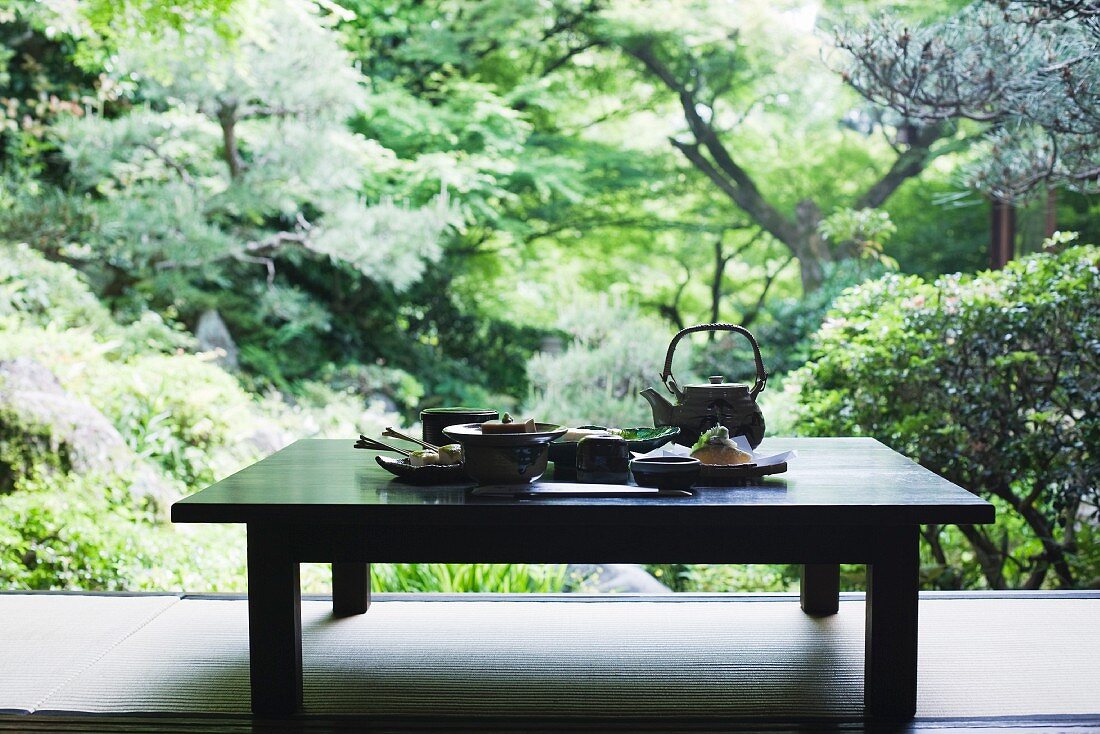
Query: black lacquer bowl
<point x="666" y="472"/>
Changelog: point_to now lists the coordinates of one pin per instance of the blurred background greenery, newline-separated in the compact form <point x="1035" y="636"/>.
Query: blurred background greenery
<point x="227" y="224"/>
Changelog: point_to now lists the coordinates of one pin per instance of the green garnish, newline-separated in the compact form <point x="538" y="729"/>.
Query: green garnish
<point x="718" y="434"/>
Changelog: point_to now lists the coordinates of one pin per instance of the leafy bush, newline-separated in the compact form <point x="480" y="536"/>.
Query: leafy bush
<point x="992" y="381"/>
<point x="180" y="410"/>
<point x="614" y="352"/>
<point x="35" y="292"/>
<point x="724" y="578"/>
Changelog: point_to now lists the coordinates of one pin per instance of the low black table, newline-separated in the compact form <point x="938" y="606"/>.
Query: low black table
<point x="844" y="500"/>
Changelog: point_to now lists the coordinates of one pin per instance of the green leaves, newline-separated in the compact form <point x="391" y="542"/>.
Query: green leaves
<point x="992" y="381"/>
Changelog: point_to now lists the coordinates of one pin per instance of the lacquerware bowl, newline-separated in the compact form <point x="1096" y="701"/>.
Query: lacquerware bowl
<point x="666" y="472"/>
<point x="435" y="420"/>
<point x="504" y="458"/>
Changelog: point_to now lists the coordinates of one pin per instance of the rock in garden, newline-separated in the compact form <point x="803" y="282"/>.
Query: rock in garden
<point x="53" y="428"/>
<point x="213" y="336"/>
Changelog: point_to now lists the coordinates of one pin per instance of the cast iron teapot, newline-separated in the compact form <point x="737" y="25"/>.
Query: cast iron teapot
<point x="701" y="407"/>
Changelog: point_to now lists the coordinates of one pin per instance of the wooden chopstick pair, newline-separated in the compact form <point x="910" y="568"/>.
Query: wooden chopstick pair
<point x="366" y="442"/>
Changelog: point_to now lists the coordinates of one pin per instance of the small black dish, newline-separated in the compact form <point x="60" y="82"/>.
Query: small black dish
<point x="666" y="472"/>
<point x="423" y="475"/>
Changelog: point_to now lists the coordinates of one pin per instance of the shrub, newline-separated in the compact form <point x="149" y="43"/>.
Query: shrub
<point x="460" y="577"/>
<point x="183" y="412"/>
<point x="35" y="292"/>
<point x="992" y="381"/>
<point x="614" y="352"/>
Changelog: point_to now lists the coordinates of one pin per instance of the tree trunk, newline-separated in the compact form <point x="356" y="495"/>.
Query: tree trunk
<point x="808" y="245"/>
<point x="227" y="119"/>
<point x="1002" y="243"/>
<point x="1051" y="212"/>
<point x="720" y="262"/>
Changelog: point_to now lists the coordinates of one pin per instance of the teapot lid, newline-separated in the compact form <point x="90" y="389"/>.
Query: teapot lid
<point x="717" y="383"/>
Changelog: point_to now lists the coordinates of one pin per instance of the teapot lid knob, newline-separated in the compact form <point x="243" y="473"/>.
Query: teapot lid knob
<point x="716" y="379"/>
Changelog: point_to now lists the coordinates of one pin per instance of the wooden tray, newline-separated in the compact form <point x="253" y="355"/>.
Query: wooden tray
<point x="722" y="475"/>
<point x="423" y="475"/>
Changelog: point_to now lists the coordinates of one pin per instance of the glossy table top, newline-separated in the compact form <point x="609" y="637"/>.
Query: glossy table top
<point x="832" y="480"/>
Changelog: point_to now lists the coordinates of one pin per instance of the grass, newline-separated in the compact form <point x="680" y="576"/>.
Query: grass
<point x="464" y="577"/>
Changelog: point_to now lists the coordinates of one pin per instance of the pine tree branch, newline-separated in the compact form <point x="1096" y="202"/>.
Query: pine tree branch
<point x="908" y="164"/>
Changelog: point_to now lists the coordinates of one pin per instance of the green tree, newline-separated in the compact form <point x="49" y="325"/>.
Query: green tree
<point x="1026" y="70"/>
<point x="238" y="152"/>
<point x="718" y="78"/>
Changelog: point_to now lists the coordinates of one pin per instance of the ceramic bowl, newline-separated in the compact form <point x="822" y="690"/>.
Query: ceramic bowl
<point x="666" y="472"/>
<point x="504" y="458"/>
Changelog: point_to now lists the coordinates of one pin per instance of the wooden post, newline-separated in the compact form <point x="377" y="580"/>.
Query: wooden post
<point x="274" y="623"/>
<point x="819" y="590"/>
<point x="350" y="588"/>
<point x="890" y="665"/>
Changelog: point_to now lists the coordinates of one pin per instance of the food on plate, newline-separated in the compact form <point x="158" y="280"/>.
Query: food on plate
<point x="573" y="435"/>
<point x="715" y="447"/>
<point x="508" y="424"/>
<point x="423" y="458"/>
<point x="450" y="454"/>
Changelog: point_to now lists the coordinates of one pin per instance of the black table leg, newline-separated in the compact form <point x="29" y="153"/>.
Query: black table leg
<point x="350" y="588"/>
<point x="819" y="591"/>
<point x="890" y="669"/>
<point x="274" y="623"/>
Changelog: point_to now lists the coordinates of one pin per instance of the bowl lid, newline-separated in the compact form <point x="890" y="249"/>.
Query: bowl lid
<point x="471" y="433"/>
<point x="459" y="411"/>
<point x="665" y="464"/>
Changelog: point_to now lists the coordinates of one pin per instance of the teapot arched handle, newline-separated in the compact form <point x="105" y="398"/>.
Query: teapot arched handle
<point x="670" y="381"/>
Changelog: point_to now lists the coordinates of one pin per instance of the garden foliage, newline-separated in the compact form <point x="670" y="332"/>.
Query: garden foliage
<point x="102" y="425"/>
<point x="992" y="381"/>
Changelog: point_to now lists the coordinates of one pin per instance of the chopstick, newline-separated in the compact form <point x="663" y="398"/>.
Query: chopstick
<point x="370" y="443"/>
<point x="390" y="432"/>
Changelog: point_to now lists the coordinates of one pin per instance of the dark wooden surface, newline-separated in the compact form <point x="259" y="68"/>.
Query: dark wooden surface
<point x="839" y="481"/>
<point x="350" y="588"/>
<point x="274" y="624"/>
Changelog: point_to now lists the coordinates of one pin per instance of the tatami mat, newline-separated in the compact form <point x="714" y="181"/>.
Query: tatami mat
<point x="706" y="658"/>
<point x="46" y="640"/>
